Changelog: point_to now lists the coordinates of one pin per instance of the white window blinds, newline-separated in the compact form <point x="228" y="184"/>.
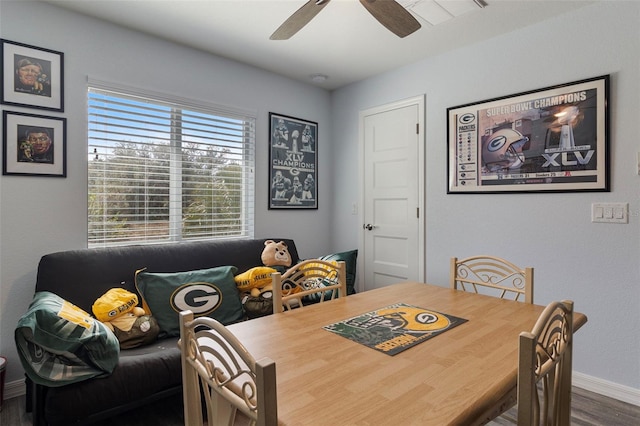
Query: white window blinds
<point x="167" y="170"/>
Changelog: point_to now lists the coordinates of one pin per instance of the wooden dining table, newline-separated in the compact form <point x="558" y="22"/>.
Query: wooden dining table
<point x="459" y="377"/>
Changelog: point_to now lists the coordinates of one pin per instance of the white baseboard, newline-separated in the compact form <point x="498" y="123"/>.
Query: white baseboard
<point x="14" y="389"/>
<point x="603" y="387"/>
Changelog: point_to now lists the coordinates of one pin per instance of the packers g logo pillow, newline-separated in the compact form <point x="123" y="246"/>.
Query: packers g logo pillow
<point x="206" y="292"/>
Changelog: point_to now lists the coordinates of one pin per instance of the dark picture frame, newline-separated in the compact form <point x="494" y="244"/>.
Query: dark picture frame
<point x="293" y="163"/>
<point x="33" y="77"/>
<point x="554" y="139"/>
<point x="34" y="145"/>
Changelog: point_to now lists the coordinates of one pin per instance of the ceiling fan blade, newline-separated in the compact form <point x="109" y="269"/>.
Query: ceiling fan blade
<point x="299" y="19"/>
<point x="393" y="16"/>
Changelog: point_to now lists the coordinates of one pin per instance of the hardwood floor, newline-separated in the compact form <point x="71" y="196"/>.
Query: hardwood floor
<point x="588" y="409"/>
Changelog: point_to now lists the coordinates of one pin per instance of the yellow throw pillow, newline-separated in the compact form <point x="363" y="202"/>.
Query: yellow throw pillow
<point x="113" y="303"/>
<point x="256" y="277"/>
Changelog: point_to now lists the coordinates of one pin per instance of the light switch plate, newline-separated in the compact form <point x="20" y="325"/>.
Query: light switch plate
<point x="610" y="212"/>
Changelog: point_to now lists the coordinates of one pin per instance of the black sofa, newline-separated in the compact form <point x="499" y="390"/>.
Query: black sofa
<point x="144" y="374"/>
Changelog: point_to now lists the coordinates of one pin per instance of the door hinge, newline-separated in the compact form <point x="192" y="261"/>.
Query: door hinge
<point x="418" y="212"/>
<point x="417" y="128"/>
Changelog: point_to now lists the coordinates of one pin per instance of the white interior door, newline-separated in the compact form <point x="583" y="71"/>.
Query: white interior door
<point x="392" y="155"/>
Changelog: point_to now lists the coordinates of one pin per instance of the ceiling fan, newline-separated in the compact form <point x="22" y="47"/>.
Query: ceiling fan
<point x="388" y="12"/>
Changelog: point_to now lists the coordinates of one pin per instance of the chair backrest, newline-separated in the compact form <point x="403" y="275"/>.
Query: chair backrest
<point x="544" y="369"/>
<point x="307" y="282"/>
<point x="505" y="278"/>
<point x="215" y="364"/>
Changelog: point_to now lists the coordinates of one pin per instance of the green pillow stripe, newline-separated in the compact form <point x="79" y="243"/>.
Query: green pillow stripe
<point x="206" y="292"/>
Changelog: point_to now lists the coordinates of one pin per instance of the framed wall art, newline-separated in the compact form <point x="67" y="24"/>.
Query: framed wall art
<point x="32" y="76"/>
<point x="293" y="163"/>
<point x="554" y="139"/>
<point x="34" y="145"/>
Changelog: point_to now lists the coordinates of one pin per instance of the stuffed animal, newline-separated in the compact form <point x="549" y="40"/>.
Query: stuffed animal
<point x="265" y="292"/>
<point x="118" y="310"/>
<point x="276" y="254"/>
<point x="255" y="284"/>
<point x="125" y="321"/>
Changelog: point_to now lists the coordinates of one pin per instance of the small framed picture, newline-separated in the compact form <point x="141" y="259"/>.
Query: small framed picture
<point x="293" y="163"/>
<point x="34" y="145"/>
<point x="32" y="76"/>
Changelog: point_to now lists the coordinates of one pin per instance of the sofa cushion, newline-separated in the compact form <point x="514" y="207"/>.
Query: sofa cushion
<point x="211" y="292"/>
<point x="141" y="373"/>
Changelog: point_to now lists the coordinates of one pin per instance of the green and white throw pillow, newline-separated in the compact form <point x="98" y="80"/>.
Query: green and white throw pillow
<point x="206" y="292"/>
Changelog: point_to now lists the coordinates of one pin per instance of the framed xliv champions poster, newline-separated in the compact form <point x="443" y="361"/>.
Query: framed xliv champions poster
<point x="293" y="163"/>
<point x="549" y="140"/>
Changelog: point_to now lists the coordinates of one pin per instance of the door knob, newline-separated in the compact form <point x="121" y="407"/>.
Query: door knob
<point x="368" y="226"/>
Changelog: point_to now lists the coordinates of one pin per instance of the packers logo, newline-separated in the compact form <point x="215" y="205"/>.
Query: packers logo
<point x="496" y="143"/>
<point x="36" y="352"/>
<point x="415" y="319"/>
<point x="200" y="298"/>
<point x="467" y="118"/>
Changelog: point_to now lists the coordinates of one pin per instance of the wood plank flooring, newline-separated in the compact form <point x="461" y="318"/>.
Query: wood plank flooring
<point x="588" y="409"/>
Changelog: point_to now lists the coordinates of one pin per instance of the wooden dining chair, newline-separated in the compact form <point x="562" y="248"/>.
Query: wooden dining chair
<point x="310" y="281"/>
<point x="496" y="275"/>
<point x="544" y="369"/>
<point x="216" y="365"/>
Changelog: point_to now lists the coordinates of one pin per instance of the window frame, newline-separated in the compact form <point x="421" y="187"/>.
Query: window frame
<point x="240" y="153"/>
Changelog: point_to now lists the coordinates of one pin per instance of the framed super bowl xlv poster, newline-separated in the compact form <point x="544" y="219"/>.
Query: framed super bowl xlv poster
<point x="548" y="140"/>
<point x="293" y="163"/>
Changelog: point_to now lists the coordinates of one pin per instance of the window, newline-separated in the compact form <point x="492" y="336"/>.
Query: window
<point x="166" y="170"/>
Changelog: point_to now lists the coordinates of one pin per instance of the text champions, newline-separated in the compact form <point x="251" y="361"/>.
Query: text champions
<point x="294" y="164"/>
<point x="551" y="101"/>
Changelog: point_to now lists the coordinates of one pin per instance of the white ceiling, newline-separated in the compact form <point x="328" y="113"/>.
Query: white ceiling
<point x="343" y="41"/>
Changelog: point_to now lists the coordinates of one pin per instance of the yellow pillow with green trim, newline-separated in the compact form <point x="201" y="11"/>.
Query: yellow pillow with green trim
<point x="115" y="302"/>
<point x="257" y="277"/>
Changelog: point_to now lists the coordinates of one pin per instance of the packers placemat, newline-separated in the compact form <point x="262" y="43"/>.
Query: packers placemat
<point x="394" y="328"/>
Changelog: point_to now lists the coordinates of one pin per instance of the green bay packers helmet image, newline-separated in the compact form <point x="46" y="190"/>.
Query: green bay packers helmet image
<point x="412" y="319"/>
<point x="503" y="150"/>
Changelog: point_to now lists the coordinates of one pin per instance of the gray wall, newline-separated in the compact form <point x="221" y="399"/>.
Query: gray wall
<point x="41" y="215"/>
<point x="595" y="264"/>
